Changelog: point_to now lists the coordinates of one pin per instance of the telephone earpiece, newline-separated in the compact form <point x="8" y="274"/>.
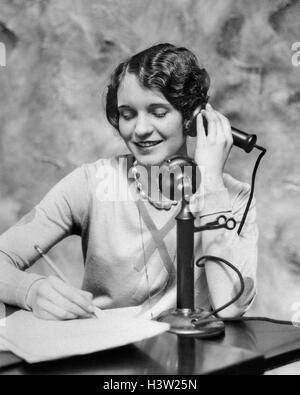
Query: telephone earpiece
<point x="241" y="139"/>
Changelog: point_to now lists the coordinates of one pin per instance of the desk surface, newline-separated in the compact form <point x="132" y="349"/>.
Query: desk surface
<point x="247" y="347"/>
<point x="162" y="355"/>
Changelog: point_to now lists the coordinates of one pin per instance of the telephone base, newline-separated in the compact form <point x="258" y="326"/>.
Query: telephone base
<point x="181" y="323"/>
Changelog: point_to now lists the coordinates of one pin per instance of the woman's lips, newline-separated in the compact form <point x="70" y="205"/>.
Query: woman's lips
<point x="148" y="144"/>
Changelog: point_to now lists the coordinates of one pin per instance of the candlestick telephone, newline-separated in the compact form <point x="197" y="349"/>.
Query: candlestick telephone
<point x="187" y="320"/>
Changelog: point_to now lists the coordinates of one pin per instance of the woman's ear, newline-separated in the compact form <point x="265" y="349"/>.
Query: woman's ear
<point x="186" y="127"/>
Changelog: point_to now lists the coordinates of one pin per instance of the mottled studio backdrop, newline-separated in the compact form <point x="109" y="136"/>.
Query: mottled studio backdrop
<point x="59" y="56"/>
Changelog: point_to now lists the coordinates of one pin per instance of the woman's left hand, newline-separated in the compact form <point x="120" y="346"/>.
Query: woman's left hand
<point x="212" y="150"/>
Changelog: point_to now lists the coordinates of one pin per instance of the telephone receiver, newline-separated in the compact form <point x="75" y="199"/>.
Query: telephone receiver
<point x="241" y="139"/>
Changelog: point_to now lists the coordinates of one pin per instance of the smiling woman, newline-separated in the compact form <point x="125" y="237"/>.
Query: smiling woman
<point x="152" y="96"/>
<point x="129" y="246"/>
<point x="150" y="101"/>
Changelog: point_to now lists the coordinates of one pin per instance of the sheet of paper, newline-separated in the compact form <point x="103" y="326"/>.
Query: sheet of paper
<point x="36" y="340"/>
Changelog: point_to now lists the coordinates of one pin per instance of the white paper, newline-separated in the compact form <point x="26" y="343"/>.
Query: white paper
<point x="36" y="340"/>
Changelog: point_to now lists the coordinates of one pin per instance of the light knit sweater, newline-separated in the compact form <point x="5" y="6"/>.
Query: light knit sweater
<point x="121" y="237"/>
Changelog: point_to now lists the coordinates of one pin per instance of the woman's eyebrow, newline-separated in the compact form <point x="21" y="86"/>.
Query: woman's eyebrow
<point x="153" y="106"/>
<point x="123" y="106"/>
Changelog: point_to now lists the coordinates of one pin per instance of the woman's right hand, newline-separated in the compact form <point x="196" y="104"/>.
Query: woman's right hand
<point x="53" y="299"/>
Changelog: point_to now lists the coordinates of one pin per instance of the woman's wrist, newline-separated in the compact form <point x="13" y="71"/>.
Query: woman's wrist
<point x="31" y="294"/>
<point x="216" y="201"/>
<point x="212" y="182"/>
<point x="211" y="199"/>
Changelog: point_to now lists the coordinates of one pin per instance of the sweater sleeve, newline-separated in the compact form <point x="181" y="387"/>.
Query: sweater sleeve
<point x="240" y="250"/>
<point x="60" y="214"/>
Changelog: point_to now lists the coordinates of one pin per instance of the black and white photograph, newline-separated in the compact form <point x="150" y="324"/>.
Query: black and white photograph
<point x="149" y="190"/>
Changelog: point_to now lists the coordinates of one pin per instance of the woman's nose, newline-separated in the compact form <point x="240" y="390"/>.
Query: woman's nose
<point x="143" y="126"/>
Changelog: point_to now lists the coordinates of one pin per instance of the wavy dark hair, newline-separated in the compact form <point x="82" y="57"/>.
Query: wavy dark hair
<point x="174" y="71"/>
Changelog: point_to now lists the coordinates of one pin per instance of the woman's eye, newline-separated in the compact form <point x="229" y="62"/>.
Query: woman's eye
<point x="160" y="114"/>
<point x="126" y="115"/>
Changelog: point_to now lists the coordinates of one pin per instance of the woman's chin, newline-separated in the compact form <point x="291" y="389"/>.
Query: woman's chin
<point x="150" y="160"/>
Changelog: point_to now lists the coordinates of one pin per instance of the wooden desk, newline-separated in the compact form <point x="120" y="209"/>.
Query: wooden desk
<point x="251" y="347"/>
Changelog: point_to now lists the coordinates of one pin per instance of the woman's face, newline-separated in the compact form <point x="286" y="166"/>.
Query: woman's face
<point x="150" y="126"/>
